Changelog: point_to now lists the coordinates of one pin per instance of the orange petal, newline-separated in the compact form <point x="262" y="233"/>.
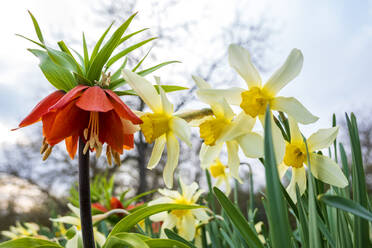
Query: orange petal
<point x="71" y="145"/>
<point x="68" y="97"/>
<point x="128" y="141"/>
<point x="115" y="203"/>
<point x="122" y="109"/>
<point x="42" y="108"/>
<point x="111" y="130"/>
<point x="94" y="99"/>
<point x="99" y="207"/>
<point x="68" y="121"/>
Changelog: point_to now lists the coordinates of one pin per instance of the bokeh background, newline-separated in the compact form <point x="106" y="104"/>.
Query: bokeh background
<point x="334" y="36"/>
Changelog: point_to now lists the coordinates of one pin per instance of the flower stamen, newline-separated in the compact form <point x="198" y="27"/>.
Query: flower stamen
<point x="211" y="129"/>
<point x="254" y="101"/>
<point x="154" y="125"/>
<point x="295" y="155"/>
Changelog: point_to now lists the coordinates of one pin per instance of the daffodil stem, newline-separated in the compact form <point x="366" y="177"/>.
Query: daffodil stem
<point x="84" y="196"/>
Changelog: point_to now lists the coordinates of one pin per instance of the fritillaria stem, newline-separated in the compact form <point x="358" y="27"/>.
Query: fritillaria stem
<point x="84" y="196"/>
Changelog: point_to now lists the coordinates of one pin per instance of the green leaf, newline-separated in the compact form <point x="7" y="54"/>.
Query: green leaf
<point x="99" y="42"/>
<point x="166" y="88"/>
<point x="29" y="243"/>
<point x="126" y="51"/>
<point x="37" y="28"/>
<point x="141" y="61"/>
<point x="130" y="35"/>
<point x="116" y="74"/>
<point x="37" y="43"/>
<point x="104" y="54"/>
<point x="58" y="76"/>
<point x="346" y="205"/>
<point x="238" y="219"/>
<point x="172" y="235"/>
<point x="156" y="67"/>
<point x="277" y="209"/>
<point x="64" y="60"/>
<point x="86" y="55"/>
<point x="132" y="219"/>
<point x="124" y="239"/>
<point x="135" y="198"/>
<point x="361" y="226"/>
<point x="165" y="243"/>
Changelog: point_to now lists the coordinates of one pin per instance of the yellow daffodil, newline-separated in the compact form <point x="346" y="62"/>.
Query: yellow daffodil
<point x="27" y="229"/>
<point x="222" y="175"/>
<point x="160" y="126"/>
<point x="185" y="221"/>
<point x="226" y="128"/>
<point x="322" y="167"/>
<point x="75" y="222"/>
<point x="255" y="99"/>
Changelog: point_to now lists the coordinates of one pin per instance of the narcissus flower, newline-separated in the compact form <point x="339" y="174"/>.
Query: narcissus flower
<point x="185" y="221"/>
<point x="28" y="229"/>
<point x="222" y="174"/>
<point x="161" y="126"/>
<point x="226" y="128"/>
<point x="94" y="114"/>
<point x="322" y="167"/>
<point x="257" y="97"/>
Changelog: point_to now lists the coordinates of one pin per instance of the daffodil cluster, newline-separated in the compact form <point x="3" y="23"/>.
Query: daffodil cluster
<point x="223" y="127"/>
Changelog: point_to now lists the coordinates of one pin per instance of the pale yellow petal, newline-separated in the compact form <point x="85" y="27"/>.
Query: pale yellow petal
<point x="187" y="228"/>
<point x="188" y="190"/>
<point x="173" y="151"/>
<point x="227" y="185"/>
<point x="157" y="151"/>
<point x="294" y="108"/>
<point x="233" y="159"/>
<point x="159" y="217"/>
<point x="251" y="144"/>
<point x="323" y="138"/>
<point x="181" y="129"/>
<point x="201" y="83"/>
<point x="167" y="105"/>
<point x="196" y="196"/>
<point x="208" y="154"/>
<point x="99" y="237"/>
<point x="282" y="169"/>
<point x="169" y="194"/>
<point x="286" y="73"/>
<point x="168" y="223"/>
<point x="232" y="95"/>
<point x="200" y="214"/>
<point x="67" y="220"/>
<point x="74" y="209"/>
<point x="240" y="126"/>
<point x="296" y="136"/>
<point x="240" y="60"/>
<point x="299" y="178"/>
<point x="144" y="89"/>
<point x="327" y="171"/>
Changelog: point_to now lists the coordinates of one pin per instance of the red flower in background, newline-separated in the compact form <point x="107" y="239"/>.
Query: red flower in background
<point x="96" y="115"/>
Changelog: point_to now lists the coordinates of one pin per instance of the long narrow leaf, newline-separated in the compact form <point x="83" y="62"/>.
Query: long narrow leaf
<point x="37" y="28"/>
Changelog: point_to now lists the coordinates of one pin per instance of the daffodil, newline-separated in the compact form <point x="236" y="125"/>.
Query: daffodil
<point x="75" y="222"/>
<point x="322" y="167"/>
<point x="27" y="229"/>
<point x="185" y="221"/>
<point x="161" y="126"/>
<point x="95" y="114"/>
<point x="226" y="128"/>
<point x="257" y="97"/>
<point x="222" y="175"/>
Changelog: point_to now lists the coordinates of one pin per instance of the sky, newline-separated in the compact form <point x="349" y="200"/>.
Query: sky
<point x="334" y="36"/>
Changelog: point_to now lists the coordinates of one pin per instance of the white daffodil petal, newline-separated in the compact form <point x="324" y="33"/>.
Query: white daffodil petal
<point x="286" y="73"/>
<point x="240" y="126"/>
<point x="169" y="222"/>
<point x="282" y="169"/>
<point x="299" y="178"/>
<point x="74" y="241"/>
<point x="296" y="136"/>
<point x="74" y="209"/>
<point x="294" y="108"/>
<point x="159" y="216"/>
<point x="201" y="83"/>
<point x="181" y="128"/>
<point x="157" y="151"/>
<point x="144" y="89"/>
<point x="323" y="138"/>
<point x="240" y="60"/>
<point x="67" y="220"/>
<point x="188" y="190"/>
<point x="200" y="214"/>
<point x="99" y="237"/>
<point x="251" y="144"/>
<point x="227" y="185"/>
<point x="233" y="160"/>
<point x="208" y="154"/>
<point x="188" y="227"/>
<point x="173" y="150"/>
<point x="326" y="170"/>
<point x="196" y="196"/>
<point x="232" y="95"/>
<point x="169" y="194"/>
<point x="167" y="105"/>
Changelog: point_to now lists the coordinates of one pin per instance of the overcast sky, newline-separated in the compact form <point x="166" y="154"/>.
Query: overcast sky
<point x="334" y="36"/>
